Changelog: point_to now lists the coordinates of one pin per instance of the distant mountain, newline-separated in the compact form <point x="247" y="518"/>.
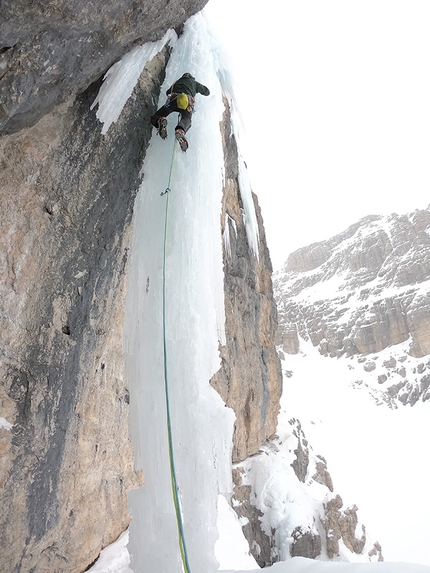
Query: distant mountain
<point x="361" y="298"/>
<point x="365" y="291"/>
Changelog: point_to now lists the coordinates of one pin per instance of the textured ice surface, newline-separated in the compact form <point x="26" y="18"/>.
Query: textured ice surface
<point x="201" y="424"/>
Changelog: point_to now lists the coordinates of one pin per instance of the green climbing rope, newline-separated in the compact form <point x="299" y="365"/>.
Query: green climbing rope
<point x="182" y="544"/>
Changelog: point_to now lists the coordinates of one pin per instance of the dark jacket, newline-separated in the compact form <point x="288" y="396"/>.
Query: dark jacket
<point x="189" y="86"/>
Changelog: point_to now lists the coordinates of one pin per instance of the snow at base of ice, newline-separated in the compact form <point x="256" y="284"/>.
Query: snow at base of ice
<point x="302" y="565"/>
<point x="231" y="548"/>
<point x="115" y="558"/>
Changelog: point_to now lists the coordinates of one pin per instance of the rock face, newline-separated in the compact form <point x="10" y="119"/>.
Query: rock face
<point x="250" y="378"/>
<point x="67" y="195"/>
<point x="52" y="50"/>
<point x="341" y="525"/>
<point x="361" y="292"/>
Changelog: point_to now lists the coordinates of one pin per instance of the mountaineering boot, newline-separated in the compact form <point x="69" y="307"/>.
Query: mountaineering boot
<point x="181" y="139"/>
<point x="162" y="125"/>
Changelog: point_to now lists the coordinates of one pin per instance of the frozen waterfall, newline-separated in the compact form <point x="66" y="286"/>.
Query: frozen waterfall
<point x="201" y="424"/>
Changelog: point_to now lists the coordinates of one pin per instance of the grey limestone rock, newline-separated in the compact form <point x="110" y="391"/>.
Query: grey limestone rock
<point x="342" y="525"/>
<point x="51" y="50"/>
<point x="250" y="378"/>
<point x="67" y="196"/>
<point x="372" y="279"/>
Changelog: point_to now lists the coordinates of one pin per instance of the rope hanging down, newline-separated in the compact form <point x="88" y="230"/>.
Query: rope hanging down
<point x="182" y="545"/>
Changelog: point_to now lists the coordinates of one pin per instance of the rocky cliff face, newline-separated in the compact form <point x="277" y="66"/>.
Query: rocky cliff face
<point x="50" y="51"/>
<point x="250" y="379"/>
<point x="67" y="197"/>
<point x="362" y="292"/>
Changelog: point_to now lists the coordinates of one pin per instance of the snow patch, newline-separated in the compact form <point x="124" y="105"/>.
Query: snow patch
<point x="249" y="215"/>
<point x="5" y="424"/>
<point x="114" y="558"/>
<point x="231" y="549"/>
<point x="226" y="235"/>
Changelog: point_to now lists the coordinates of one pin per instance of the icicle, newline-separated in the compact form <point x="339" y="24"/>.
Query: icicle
<point x="120" y="79"/>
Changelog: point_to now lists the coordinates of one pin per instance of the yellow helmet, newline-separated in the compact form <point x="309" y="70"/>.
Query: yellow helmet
<point x="182" y="101"/>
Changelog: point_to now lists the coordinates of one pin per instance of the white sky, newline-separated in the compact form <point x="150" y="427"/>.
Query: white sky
<point x="335" y="98"/>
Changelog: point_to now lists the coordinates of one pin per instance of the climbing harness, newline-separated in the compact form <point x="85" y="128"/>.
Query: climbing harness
<point x="182" y="544"/>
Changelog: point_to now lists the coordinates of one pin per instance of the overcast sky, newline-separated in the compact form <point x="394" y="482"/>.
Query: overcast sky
<point x="335" y="97"/>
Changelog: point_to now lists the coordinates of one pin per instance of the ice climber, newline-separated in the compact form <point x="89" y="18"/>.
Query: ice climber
<point x="180" y="98"/>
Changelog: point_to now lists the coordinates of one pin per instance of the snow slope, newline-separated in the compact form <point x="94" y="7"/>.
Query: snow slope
<point x="377" y="456"/>
<point x="115" y="559"/>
